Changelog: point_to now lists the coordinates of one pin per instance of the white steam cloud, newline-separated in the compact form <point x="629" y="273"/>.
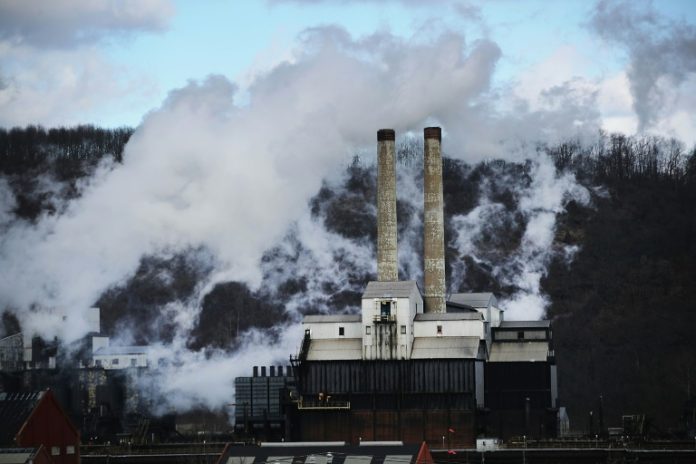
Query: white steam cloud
<point x="538" y="204"/>
<point x="204" y="171"/>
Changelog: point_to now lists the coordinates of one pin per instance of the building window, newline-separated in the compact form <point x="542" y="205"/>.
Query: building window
<point x="115" y="362"/>
<point x="70" y="450"/>
<point x="133" y="362"/>
<point x="341" y="331"/>
<point x="439" y="329"/>
<point x="55" y="450"/>
<point x="368" y="330"/>
<point x="520" y="335"/>
<point x="403" y="330"/>
<point x="97" y="362"/>
<point x="385" y="309"/>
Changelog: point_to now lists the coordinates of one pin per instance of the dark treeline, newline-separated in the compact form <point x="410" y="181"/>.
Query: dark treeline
<point x="42" y="164"/>
<point x="623" y="311"/>
<point x="33" y="147"/>
<point x="616" y="157"/>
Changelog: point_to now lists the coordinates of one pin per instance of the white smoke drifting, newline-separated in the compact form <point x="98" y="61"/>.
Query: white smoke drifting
<point x="202" y="171"/>
<point x="539" y="203"/>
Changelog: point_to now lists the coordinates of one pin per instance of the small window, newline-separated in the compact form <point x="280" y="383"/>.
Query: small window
<point x="385" y="309"/>
<point x="520" y="335"/>
<point x="97" y="362"/>
<point x="368" y="330"/>
<point x="439" y="329"/>
<point x="55" y="450"/>
<point x="115" y="362"/>
<point x="341" y="331"/>
<point x="403" y="330"/>
<point x="70" y="450"/>
<point x="134" y="362"/>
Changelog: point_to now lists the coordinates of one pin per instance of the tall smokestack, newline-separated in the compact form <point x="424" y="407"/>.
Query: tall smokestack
<point x="433" y="224"/>
<point x="387" y="260"/>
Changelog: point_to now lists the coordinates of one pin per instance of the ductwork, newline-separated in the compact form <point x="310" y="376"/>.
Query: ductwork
<point x="387" y="259"/>
<point x="433" y="224"/>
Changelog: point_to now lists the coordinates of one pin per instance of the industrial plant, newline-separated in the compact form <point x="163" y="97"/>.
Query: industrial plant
<point x="415" y="365"/>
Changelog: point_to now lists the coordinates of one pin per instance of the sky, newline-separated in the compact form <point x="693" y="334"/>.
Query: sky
<point x="109" y="63"/>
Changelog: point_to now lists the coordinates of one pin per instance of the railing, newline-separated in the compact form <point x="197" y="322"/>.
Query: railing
<point x="380" y="318"/>
<point x="322" y="404"/>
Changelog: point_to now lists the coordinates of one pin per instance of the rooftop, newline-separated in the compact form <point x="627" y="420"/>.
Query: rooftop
<point x="324" y="453"/>
<point x="335" y="349"/>
<point x="475" y="300"/>
<point x="445" y="347"/>
<point x="114" y="350"/>
<point x="519" y="351"/>
<point x="318" y="318"/>
<point x="401" y="289"/>
<point x="472" y="316"/>
<point x="525" y="324"/>
<point x="15" y="409"/>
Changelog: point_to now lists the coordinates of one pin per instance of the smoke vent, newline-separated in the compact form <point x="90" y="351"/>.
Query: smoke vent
<point x="387" y="259"/>
<point x="433" y="224"/>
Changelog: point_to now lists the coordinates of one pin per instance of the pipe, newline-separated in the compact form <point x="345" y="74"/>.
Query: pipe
<point x="387" y="259"/>
<point x="433" y="224"/>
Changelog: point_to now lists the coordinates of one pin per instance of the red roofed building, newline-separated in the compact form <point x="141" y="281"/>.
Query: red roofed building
<point x="36" y="419"/>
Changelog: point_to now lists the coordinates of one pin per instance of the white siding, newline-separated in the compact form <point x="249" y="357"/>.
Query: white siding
<point x="330" y="330"/>
<point x="450" y="329"/>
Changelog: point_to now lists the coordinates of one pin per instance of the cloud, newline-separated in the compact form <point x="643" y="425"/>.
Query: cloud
<point x="63" y="87"/>
<point x="67" y="23"/>
<point x="661" y="52"/>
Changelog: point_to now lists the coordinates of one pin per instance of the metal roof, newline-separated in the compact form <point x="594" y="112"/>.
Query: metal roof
<point x="15" y="409"/>
<point x="335" y="349"/>
<point x="445" y="348"/>
<point x="113" y="350"/>
<point x="332" y="318"/>
<point x="476" y="300"/>
<point x="525" y="324"/>
<point x="519" y="352"/>
<point x="472" y="316"/>
<point x="390" y="289"/>
<point x="17" y="455"/>
<point x="315" y="453"/>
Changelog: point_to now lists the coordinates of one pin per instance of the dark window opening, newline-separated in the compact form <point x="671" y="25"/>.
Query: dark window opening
<point x="520" y="335"/>
<point x="439" y="330"/>
<point x="403" y="330"/>
<point x="385" y="309"/>
<point x="341" y="331"/>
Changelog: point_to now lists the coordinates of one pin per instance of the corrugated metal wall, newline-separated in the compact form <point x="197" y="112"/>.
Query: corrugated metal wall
<point x="414" y="376"/>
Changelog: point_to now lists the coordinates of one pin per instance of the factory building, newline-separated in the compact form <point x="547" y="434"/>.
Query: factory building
<point x="261" y="401"/>
<point x="417" y="365"/>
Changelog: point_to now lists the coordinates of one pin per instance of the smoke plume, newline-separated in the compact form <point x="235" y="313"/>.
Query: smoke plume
<point x="204" y="172"/>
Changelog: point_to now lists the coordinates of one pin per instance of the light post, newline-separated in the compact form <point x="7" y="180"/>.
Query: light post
<point x="524" y="449"/>
<point x="443" y="442"/>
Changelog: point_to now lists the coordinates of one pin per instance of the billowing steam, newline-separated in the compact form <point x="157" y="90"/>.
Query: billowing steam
<point x="203" y="171"/>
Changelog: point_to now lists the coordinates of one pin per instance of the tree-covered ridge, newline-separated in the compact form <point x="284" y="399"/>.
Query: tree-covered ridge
<point x="623" y="308"/>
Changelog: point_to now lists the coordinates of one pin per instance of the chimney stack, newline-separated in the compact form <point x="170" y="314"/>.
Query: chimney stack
<point x="387" y="259"/>
<point x="433" y="224"/>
